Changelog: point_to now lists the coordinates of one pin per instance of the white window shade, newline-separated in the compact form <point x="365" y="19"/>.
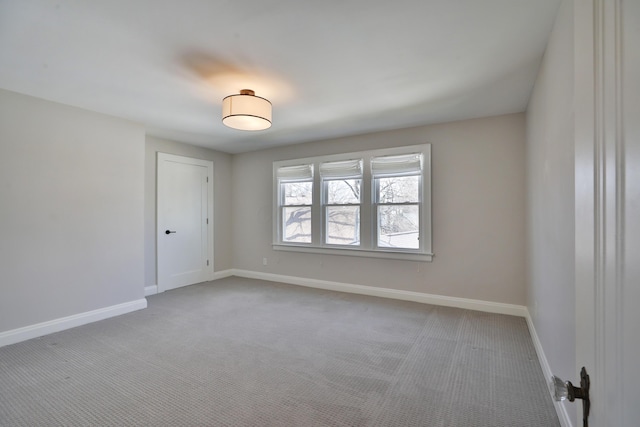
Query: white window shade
<point x="341" y="169"/>
<point x="294" y="173"/>
<point x="406" y="164"/>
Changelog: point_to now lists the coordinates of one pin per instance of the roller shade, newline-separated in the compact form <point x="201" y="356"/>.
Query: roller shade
<point x="341" y="169"/>
<point x="405" y="164"/>
<point x="294" y="173"/>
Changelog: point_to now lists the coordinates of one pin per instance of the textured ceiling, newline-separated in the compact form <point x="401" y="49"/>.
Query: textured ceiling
<point x="331" y="68"/>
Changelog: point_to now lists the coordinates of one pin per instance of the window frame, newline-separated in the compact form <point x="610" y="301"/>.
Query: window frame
<point x="368" y="208"/>
<point x="325" y="205"/>
<point x="376" y="204"/>
<point x="281" y="205"/>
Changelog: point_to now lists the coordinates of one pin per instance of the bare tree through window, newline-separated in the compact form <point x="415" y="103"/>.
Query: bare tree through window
<point x="342" y="211"/>
<point x="398" y="211"/>
<point x="296" y="211"/>
<point x="356" y="203"/>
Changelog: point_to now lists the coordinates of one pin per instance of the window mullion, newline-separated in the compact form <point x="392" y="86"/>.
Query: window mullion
<point x="366" y="230"/>
<point x="317" y="214"/>
<point x="425" y="203"/>
<point x="400" y="204"/>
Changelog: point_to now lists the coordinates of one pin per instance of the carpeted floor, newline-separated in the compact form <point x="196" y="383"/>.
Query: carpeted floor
<point x="239" y="352"/>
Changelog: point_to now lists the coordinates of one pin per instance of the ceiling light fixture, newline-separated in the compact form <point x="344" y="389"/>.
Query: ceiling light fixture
<point x="246" y="111"/>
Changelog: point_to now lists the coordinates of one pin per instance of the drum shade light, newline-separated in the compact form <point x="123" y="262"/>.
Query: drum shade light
<point x="246" y="111"/>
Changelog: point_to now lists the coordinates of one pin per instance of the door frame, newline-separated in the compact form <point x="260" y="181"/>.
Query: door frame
<point x="161" y="157"/>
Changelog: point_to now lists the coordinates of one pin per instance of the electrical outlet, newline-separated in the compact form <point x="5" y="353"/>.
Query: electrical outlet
<point x="264" y="261"/>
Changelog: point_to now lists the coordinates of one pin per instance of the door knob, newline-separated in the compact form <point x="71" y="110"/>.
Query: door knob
<point x="169" y="232"/>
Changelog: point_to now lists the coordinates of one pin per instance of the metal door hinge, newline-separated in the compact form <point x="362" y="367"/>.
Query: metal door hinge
<point x="207" y="262"/>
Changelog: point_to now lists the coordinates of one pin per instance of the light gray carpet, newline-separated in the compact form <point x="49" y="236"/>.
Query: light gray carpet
<point x="239" y="352"/>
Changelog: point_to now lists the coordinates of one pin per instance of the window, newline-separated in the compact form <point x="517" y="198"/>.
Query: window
<point x="374" y="203"/>
<point x="397" y="200"/>
<point x="296" y="196"/>
<point x="341" y="187"/>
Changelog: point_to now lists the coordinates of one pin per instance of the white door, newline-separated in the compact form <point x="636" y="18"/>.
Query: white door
<point x="184" y="213"/>
<point x="607" y="162"/>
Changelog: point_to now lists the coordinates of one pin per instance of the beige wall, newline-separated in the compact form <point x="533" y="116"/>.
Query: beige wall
<point x="221" y="199"/>
<point x="78" y="201"/>
<point x="478" y="195"/>
<point x="76" y="198"/>
<point x="550" y="185"/>
<point x="71" y="210"/>
<point x="550" y="204"/>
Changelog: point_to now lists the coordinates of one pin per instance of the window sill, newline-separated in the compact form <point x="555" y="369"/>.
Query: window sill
<point x="406" y="256"/>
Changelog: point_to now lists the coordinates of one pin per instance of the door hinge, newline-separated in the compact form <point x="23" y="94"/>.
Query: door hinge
<point x="207" y="262"/>
<point x="207" y="179"/>
<point x="207" y="220"/>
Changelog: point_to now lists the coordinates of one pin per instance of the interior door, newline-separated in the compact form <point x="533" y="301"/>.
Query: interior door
<point x="607" y="164"/>
<point x="184" y="239"/>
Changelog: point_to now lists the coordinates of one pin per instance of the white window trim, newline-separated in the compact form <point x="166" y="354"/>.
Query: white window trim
<point x="367" y="246"/>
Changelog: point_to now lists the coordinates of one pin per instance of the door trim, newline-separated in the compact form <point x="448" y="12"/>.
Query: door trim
<point x="210" y="212"/>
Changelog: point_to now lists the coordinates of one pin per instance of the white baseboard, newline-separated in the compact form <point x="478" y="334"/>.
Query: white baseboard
<point x="561" y="409"/>
<point x="153" y="289"/>
<point x="222" y="274"/>
<point x="150" y="290"/>
<point x="39" y="329"/>
<point x="470" y="304"/>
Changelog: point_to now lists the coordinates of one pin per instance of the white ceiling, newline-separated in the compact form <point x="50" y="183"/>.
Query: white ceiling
<point x="330" y="67"/>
